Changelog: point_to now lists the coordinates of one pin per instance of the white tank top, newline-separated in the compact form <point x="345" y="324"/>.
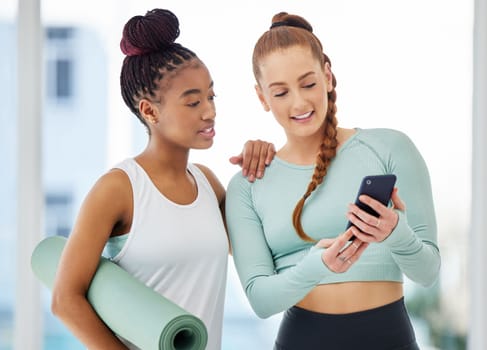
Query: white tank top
<point x="180" y="251"/>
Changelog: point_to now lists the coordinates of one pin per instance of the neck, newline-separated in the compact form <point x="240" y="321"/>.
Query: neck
<point x="301" y="151"/>
<point x="170" y="159"/>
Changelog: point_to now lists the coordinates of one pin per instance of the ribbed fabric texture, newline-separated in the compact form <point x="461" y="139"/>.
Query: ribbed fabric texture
<point x="277" y="268"/>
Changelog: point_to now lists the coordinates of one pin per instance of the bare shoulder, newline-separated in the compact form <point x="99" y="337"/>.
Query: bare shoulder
<point x="113" y="180"/>
<point x="112" y="186"/>
<point x="106" y="208"/>
<point x="108" y="203"/>
<point x="214" y="181"/>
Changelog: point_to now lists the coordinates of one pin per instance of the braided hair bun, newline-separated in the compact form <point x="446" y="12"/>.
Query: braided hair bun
<point x="151" y="52"/>
<point x="157" y="30"/>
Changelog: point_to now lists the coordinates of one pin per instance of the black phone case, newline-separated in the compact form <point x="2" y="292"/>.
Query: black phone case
<point x="378" y="187"/>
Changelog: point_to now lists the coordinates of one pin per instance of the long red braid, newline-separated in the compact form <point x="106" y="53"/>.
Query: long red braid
<point x="287" y="31"/>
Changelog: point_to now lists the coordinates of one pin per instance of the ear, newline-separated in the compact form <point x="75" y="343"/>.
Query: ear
<point x="148" y="111"/>
<point x="261" y="97"/>
<point x="328" y="77"/>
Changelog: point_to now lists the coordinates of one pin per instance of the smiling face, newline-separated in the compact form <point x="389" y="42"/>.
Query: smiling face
<point x="184" y="115"/>
<point x="293" y="84"/>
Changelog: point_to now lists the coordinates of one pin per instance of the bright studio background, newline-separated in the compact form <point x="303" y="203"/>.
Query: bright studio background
<point x="399" y="64"/>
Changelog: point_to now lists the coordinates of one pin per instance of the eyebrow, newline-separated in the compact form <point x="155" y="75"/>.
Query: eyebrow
<point x="278" y="83"/>
<point x="194" y="91"/>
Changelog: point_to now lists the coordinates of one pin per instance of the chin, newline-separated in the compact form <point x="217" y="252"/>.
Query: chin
<point x="203" y="146"/>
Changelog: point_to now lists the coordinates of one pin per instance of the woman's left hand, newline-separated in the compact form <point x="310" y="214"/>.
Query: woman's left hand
<point x="369" y="228"/>
<point x="253" y="159"/>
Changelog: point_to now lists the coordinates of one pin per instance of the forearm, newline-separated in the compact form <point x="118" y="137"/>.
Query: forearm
<point x="419" y="259"/>
<point x="80" y="318"/>
<point x="413" y="243"/>
<point x="270" y="289"/>
<point x="270" y="294"/>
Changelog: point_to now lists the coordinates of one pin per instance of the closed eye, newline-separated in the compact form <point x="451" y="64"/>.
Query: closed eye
<point x="193" y="104"/>
<point x="196" y="103"/>
<point x="281" y="94"/>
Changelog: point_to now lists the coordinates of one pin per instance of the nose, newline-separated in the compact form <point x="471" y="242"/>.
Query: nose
<point x="209" y="112"/>
<point x="298" y="101"/>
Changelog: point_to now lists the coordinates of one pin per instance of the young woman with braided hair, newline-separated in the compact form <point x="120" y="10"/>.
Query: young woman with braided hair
<point x="156" y="215"/>
<point x="290" y="244"/>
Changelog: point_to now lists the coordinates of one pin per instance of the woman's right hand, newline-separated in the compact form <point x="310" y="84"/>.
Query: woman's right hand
<point x="254" y="158"/>
<point x="339" y="254"/>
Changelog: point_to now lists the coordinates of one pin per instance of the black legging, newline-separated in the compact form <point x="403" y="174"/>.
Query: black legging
<point x="384" y="328"/>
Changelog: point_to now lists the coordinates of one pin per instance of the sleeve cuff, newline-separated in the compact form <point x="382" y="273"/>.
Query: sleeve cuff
<point x="401" y="235"/>
<point x="313" y="267"/>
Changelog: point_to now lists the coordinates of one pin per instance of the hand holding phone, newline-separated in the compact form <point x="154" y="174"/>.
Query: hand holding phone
<point x="379" y="187"/>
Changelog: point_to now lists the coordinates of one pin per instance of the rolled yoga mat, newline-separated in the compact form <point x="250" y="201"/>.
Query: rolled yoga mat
<point x="128" y="307"/>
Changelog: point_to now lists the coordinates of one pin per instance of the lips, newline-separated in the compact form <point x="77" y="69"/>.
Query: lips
<point x="302" y="116"/>
<point x="208" y="132"/>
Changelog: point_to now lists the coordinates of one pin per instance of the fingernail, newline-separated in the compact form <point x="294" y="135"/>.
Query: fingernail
<point x="244" y="172"/>
<point x="259" y="174"/>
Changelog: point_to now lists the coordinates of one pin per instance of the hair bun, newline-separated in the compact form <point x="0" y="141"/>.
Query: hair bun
<point x="285" y="19"/>
<point x="145" y="34"/>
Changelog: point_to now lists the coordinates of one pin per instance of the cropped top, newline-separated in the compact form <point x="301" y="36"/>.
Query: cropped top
<point x="277" y="268"/>
<point x="180" y="251"/>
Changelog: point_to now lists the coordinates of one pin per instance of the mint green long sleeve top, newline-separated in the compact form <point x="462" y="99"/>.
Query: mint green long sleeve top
<point x="277" y="269"/>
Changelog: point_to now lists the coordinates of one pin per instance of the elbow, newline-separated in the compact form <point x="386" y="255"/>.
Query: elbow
<point x="262" y="312"/>
<point x="425" y="281"/>
<point x="63" y="303"/>
<point x="434" y="276"/>
<point x="58" y="303"/>
<point x="263" y="303"/>
<point x="429" y="283"/>
<point x="431" y="275"/>
<point x="261" y="309"/>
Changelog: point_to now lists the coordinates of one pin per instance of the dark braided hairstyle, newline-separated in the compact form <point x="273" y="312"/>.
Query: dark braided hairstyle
<point x="287" y="31"/>
<point x="148" y="43"/>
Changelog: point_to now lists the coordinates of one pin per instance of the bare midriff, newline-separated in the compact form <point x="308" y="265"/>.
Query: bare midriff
<point x="343" y="298"/>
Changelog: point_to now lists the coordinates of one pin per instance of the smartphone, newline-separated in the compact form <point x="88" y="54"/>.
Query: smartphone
<point x="378" y="187"/>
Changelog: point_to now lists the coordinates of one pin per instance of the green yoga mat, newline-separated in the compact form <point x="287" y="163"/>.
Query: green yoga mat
<point x="128" y="307"/>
